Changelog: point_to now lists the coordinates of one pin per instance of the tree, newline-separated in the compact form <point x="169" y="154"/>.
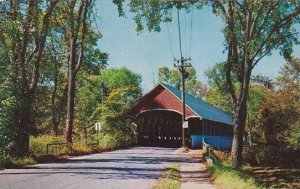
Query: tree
<point x="53" y="96"/>
<point x="173" y="77"/>
<point x="113" y="79"/>
<point x="37" y="40"/>
<point x="121" y="89"/>
<point x="217" y="94"/>
<point x="25" y="26"/>
<point x="253" y="29"/>
<point x="279" y="113"/>
<point x="78" y="22"/>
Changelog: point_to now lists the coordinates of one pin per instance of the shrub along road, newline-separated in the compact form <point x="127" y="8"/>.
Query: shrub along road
<point x="138" y="167"/>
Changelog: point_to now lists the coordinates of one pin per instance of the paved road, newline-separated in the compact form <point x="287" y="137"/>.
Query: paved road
<point x="137" y="167"/>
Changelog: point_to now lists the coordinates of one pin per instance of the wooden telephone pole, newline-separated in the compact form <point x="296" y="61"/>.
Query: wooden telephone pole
<point x="182" y="64"/>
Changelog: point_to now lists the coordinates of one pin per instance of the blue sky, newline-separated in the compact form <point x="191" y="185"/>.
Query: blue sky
<point x="146" y="52"/>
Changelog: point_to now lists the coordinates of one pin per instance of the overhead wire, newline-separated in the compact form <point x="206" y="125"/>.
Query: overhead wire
<point x="179" y="32"/>
<point x="96" y="23"/>
<point x="191" y="32"/>
<point x="170" y="41"/>
<point x="188" y="40"/>
<point x="185" y="36"/>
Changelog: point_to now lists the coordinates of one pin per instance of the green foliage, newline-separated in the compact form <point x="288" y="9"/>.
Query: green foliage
<point x="38" y="146"/>
<point x="217" y="93"/>
<point x="293" y="136"/>
<point x="9" y="103"/>
<point x="116" y="140"/>
<point x="256" y="95"/>
<point x="121" y="130"/>
<point x="219" y="99"/>
<point x="110" y="95"/>
<point x="121" y="77"/>
<point x="152" y="13"/>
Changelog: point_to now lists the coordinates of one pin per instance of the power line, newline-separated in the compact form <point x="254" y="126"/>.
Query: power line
<point x="170" y="41"/>
<point x="185" y="30"/>
<point x="96" y="23"/>
<point x="191" y="32"/>
<point x="179" y="32"/>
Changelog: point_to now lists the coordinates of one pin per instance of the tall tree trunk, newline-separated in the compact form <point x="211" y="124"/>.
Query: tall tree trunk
<point x="76" y="57"/>
<point x="24" y="129"/>
<point x="63" y="104"/>
<point x="240" y="114"/>
<point x="71" y="92"/>
<point x="249" y="131"/>
<point x="70" y="109"/>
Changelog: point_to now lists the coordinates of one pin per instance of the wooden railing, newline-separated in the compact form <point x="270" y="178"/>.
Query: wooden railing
<point x="211" y="158"/>
<point x="69" y="145"/>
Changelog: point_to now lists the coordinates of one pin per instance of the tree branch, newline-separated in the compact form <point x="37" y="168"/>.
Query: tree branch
<point x="41" y="45"/>
<point x="84" y="33"/>
<point x="219" y="4"/>
<point x="270" y="9"/>
<point x="25" y="41"/>
<point x="276" y="27"/>
<point x="268" y="50"/>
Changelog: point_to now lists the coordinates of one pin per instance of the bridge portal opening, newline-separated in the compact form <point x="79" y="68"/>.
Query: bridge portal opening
<point x="159" y="128"/>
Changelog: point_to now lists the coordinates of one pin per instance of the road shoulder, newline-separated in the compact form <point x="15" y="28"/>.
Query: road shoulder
<point x="194" y="172"/>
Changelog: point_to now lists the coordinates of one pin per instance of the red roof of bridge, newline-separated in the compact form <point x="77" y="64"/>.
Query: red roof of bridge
<point x="159" y="99"/>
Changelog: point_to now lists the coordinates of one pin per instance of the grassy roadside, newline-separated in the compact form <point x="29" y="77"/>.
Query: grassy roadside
<point x="170" y="179"/>
<point x="224" y="176"/>
<point x="9" y="162"/>
<point x="252" y="176"/>
<point x="57" y="153"/>
<point x="229" y="178"/>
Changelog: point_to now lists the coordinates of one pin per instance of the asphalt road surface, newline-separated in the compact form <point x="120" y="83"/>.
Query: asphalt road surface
<point x="134" y="168"/>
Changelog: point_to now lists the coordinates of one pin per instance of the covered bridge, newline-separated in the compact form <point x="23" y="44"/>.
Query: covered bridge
<point x="159" y="118"/>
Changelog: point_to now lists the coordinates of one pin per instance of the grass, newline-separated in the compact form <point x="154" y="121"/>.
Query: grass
<point x="227" y="177"/>
<point x="170" y="179"/>
<point x="9" y="162"/>
<point x="184" y="149"/>
<point x="253" y="176"/>
<point x="38" y="146"/>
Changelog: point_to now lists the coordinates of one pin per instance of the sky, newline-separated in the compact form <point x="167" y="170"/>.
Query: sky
<point x="144" y="53"/>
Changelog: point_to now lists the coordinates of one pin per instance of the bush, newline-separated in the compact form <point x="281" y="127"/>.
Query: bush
<point x="38" y="145"/>
<point x="272" y="156"/>
<point x="115" y="140"/>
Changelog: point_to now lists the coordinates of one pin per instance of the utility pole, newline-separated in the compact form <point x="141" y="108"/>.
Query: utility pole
<point x="182" y="64"/>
